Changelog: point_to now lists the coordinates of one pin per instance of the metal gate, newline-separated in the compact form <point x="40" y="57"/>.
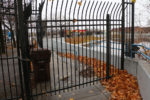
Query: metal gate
<point x="59" y="45"/>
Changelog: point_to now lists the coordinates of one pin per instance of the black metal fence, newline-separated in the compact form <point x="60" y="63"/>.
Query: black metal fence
<point x="52" y="46"/>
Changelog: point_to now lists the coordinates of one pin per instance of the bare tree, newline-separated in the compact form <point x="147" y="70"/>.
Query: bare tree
<point x="148" y="22"/>
<point x="8" y="18"/>
<point x="147" y="7"/>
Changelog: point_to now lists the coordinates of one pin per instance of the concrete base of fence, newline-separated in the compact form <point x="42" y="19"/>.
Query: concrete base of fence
<point x="131" y="66"/>
<point x="141" y="69"/>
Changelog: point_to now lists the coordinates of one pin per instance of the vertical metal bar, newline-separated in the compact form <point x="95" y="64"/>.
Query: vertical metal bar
<point x="57" y="48"/>
<point x="113" y="14"/>
<point x="36" y="12"/>
<point x="2" y="44"/>
<point x="123" y="35"/>
<point x="47" y="41"/>
<point x="27" y="13"/>
<point x="66" y="47"/>
<point x="52" y="43"/>
<point x="18" y="52"/>
<point x="86" y="42"/>
<point x="70" y="44"/>
<point x="82" y="38"/>
<point x="129" y="36"/>
<point x="109" y="34"/>
<point x="108" y="54"/>
<point x="132" y="35"/>
<point x="74" y="44"/>
<point x="120" y="41"/>
<point x="104" y="16"/>
<point x="117" y="32"/>
<point x="46" y="17"/>
<point x="3" y="77"/>
<point x="24" y="48"/>
<point x="97" y="57"/>
<point x="78" y="42"/>
<point x="90" y="36"/>
<point x="102" y="30"/>
<point x="62" y="58"/>
<point x="76" y="55"/>
<point x="93" y="43"/>
<point x="127" y="32"/>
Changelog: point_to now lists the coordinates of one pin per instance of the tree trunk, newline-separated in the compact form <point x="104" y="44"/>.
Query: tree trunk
<point x="2" y="42"/>
<point x="13" y="38"/>
<point x="12" y="34"/>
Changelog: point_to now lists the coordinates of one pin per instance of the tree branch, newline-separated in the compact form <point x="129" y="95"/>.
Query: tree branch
<point x="6" y="26"/>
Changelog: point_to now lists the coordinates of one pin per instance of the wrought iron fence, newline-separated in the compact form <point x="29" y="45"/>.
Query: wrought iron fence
<point x="62" y="44"/>
<point x="11" y="83"/>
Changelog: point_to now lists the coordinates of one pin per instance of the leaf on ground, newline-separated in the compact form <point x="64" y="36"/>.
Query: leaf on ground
<point x="59" y="96"/>
<point x="80" y="3"/>
<point x="122" y="86"/>
<point x="44" y="92"/>
<point x="74" y="20"/>
<point x="13" y="84"/>
<point x="71" y="99"/>
<point x="20" y="98"/>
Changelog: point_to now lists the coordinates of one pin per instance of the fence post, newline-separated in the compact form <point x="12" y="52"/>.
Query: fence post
<point x="132" y="35"/>
<point x="18" y="51"/>
<point x="108" y="54"/>
<point x="23" y="39"/>
<point x="123" y="35"/>
<point x="2" y="41"/>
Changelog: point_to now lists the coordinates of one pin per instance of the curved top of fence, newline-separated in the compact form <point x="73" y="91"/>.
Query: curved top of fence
<point x="78" y="9"/>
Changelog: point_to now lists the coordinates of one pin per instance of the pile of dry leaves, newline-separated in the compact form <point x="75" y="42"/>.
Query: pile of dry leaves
<point x="122" y="86"/>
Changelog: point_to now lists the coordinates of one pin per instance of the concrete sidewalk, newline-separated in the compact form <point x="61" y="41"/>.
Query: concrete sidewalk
<point x="93" y="92"/>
